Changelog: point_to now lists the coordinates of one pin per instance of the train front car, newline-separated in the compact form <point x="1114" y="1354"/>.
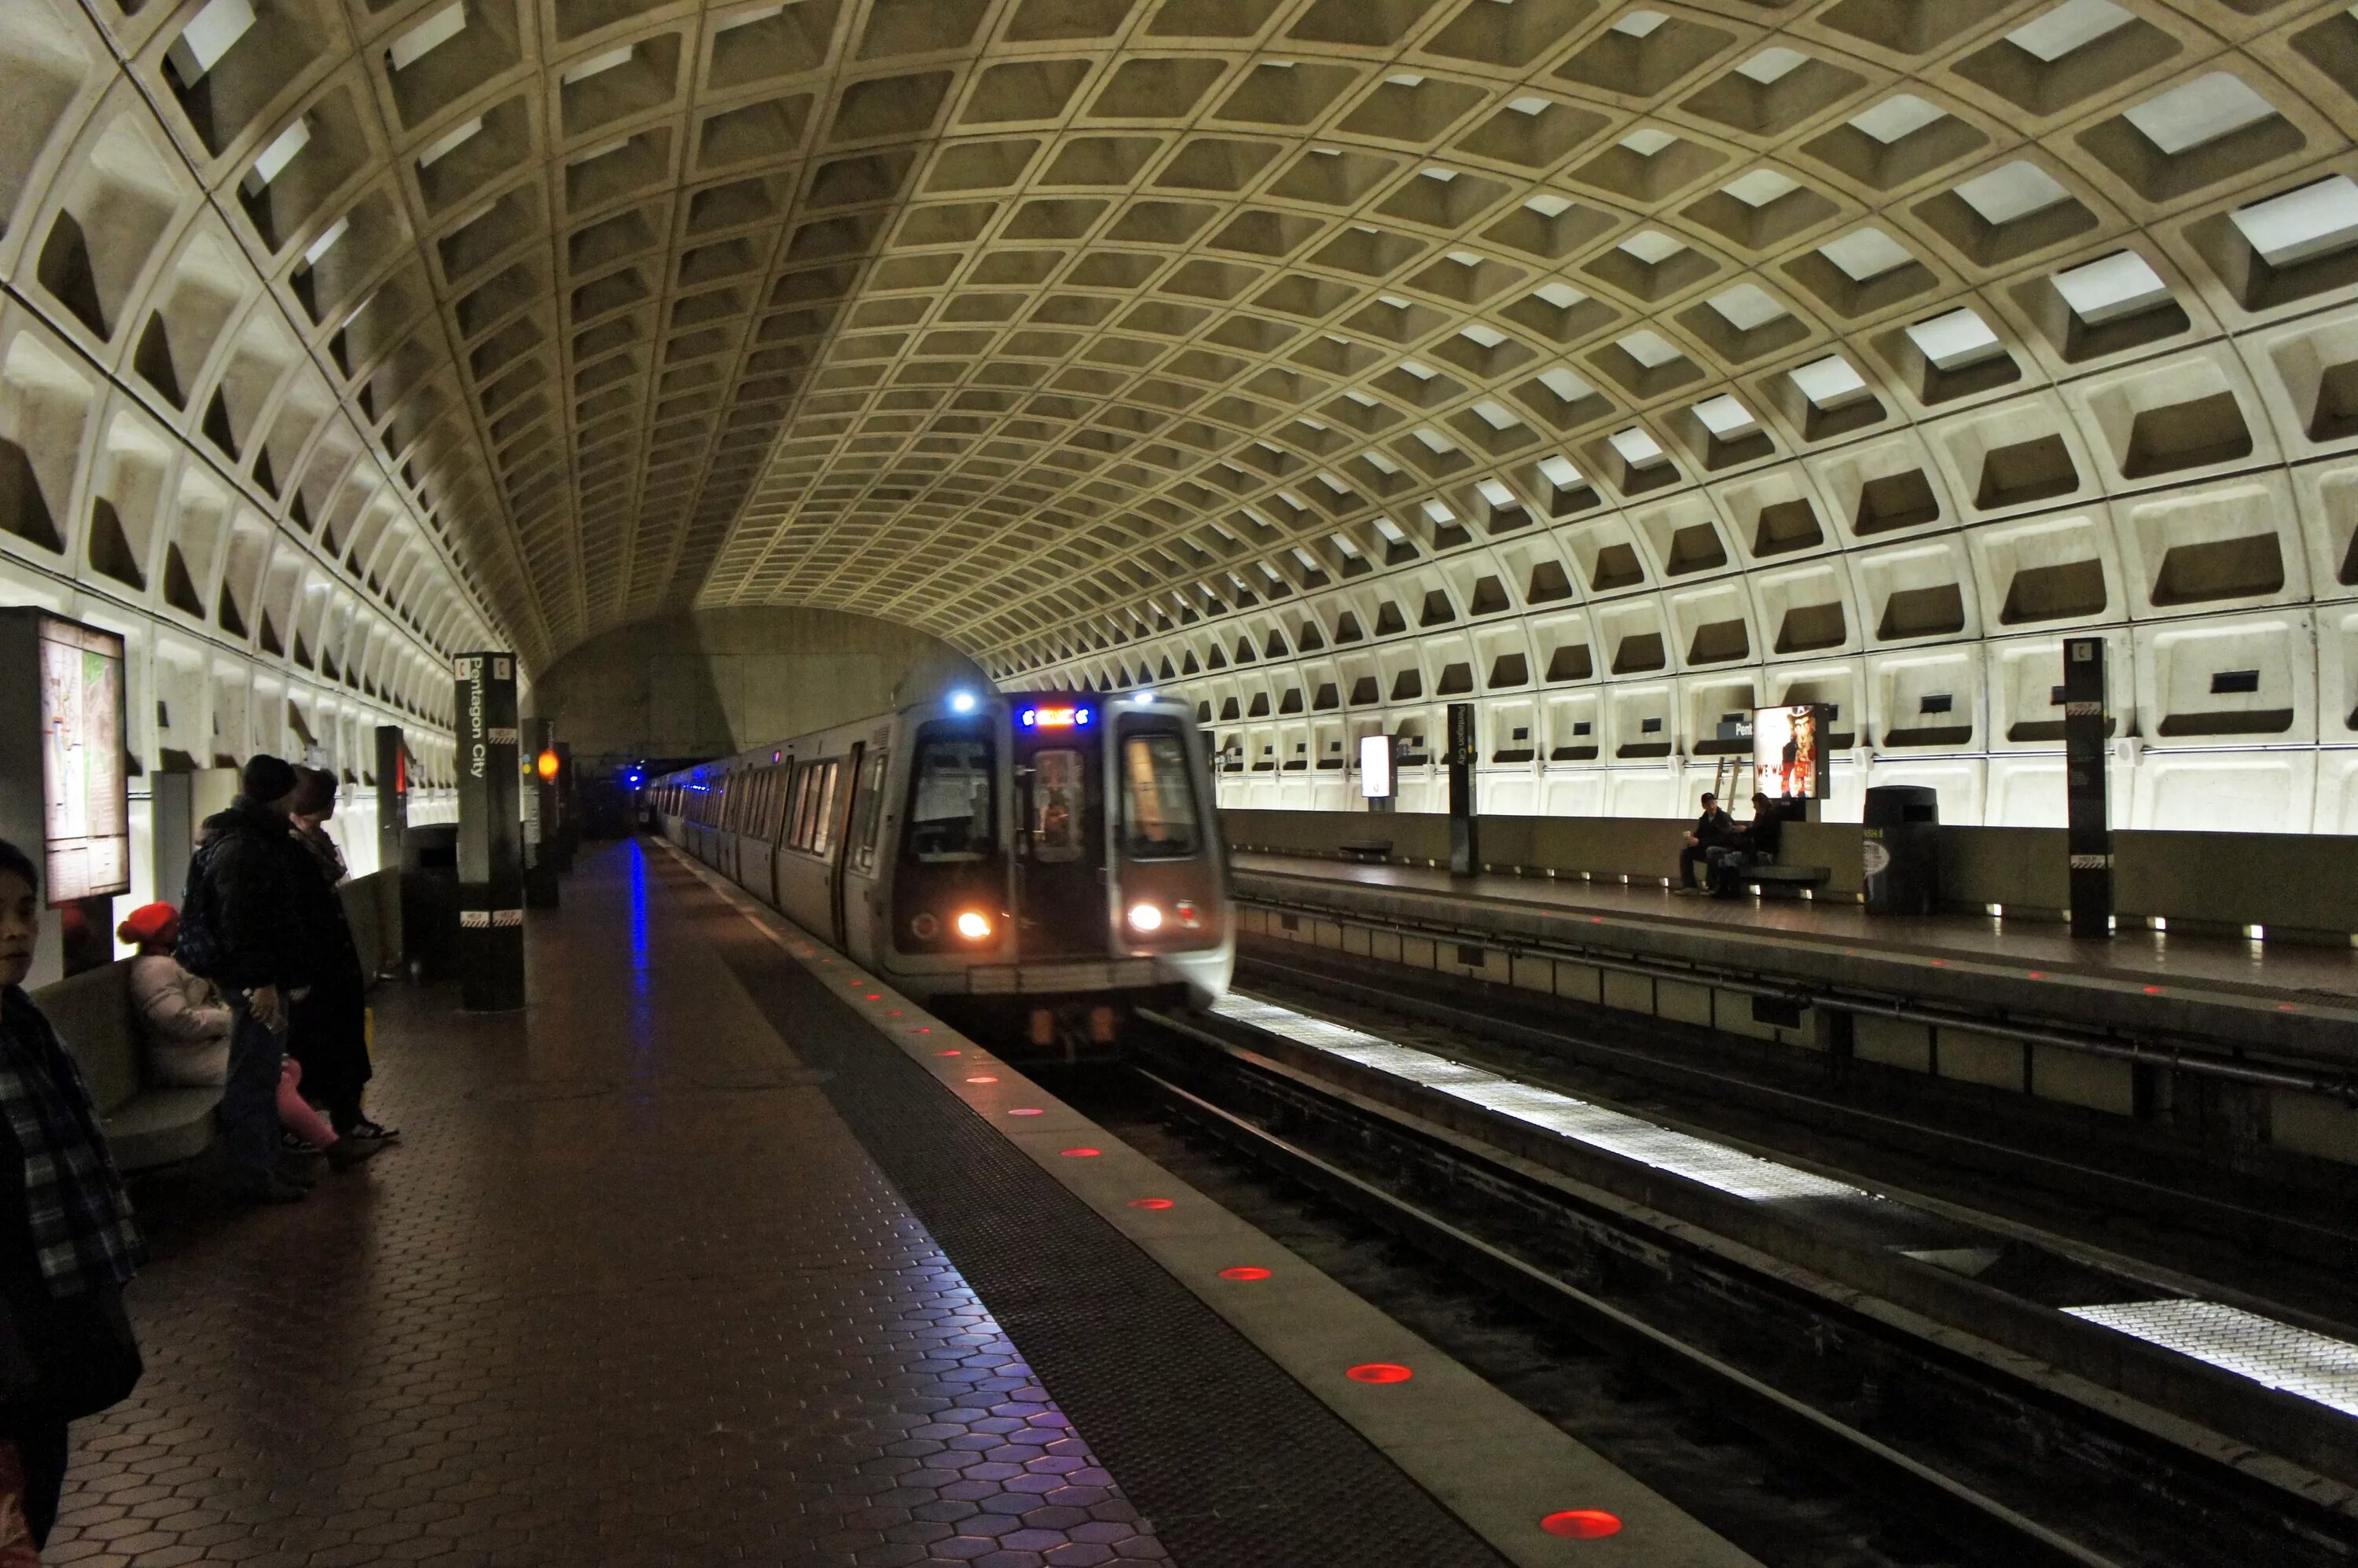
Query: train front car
<point x="1060" y="860"/>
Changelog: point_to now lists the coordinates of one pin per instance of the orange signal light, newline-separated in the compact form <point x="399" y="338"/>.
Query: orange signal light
<point x="546" y="765"/>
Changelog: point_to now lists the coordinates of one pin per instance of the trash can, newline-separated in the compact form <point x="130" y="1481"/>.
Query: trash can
<point x="429" y="900"/>
<point x="1901" y="852"/>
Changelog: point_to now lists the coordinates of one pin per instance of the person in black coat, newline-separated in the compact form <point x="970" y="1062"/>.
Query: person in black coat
<point x="247" y="888"/>
<point x="1754" y="843"/>
<point x="329" y="1035"/>
<point x="1713" y="829"/>
<point x="68" y="1242"/>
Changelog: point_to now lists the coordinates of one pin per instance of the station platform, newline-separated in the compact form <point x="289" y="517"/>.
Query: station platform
<point x="2296" y="998"/>
<point x="718" y="1252"/>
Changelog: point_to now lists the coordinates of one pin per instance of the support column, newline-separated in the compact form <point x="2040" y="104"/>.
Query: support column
<point x="569" y="810"/>
<point x="539" y="816"/>
<point x="1464" y="828"/>
<point x="491" y="835"/>
<point x="2087" y="789"/>
<point x="392" y="795"/>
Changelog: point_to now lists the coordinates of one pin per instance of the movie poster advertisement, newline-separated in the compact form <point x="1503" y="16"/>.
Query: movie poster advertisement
<point x="1789" y="752"/>
<point x="86" y="815"/>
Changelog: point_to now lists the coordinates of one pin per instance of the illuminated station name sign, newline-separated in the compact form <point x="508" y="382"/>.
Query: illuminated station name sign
<point x="1055" y="718"/>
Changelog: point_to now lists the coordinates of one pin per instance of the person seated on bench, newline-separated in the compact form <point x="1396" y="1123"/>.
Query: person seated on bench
<point x="1712" y="830"/>
<point x="1756" y="843"/>
<point x="188" y="1027"/>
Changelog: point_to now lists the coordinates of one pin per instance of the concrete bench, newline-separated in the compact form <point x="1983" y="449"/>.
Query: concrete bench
<point x="146" y="1124"/>
<point x="1768" y="877"/>
<point x="1365" y="849"/>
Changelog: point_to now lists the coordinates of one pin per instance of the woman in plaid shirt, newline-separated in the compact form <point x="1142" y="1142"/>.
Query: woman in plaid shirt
<point x="67" y="1243"/>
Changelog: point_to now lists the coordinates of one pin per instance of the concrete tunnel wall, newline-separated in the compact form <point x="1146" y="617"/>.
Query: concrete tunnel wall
<point x="713" y="682"/>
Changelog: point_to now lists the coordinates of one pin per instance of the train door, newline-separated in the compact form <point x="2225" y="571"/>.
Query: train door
<point x="859" y="856"/>
<point x="1061" y="900"/>
<point x="840" y="859"/>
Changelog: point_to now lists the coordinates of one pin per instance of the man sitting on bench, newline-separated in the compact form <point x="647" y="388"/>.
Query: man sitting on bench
<point x="1712" y="830"/>
<point x="1754" y="844"/>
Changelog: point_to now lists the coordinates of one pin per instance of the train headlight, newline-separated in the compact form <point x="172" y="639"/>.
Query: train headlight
<point x="1145" y="917"/>
<point x="973" y="925"/>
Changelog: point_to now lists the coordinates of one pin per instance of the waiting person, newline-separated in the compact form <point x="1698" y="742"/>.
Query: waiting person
<point x="329" y="1035"/>
<point x="68" y="1243"/>
<point x="245" y="910"/>
<point x="1711" y="829"/>
<point x="189" y="1029"/>
<point x="1754" y="844"/>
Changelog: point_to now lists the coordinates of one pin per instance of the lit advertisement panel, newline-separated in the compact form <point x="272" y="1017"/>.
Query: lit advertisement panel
<point x="86" y="811"/>
<point x="1375" y="766"/>
<point x="1789" y="752"/>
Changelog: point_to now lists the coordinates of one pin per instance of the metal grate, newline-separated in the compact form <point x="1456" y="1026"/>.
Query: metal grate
<point x="1616" y="1132"/>
<point x="2275" y="1355"/>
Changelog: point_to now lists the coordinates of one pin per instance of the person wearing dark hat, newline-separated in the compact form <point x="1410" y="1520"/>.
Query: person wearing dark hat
<point x="246" y="906"/>
<point x="330" y="1034"/>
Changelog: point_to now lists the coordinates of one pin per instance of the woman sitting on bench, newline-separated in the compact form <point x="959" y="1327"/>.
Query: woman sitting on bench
<point x="189" y="1025"/>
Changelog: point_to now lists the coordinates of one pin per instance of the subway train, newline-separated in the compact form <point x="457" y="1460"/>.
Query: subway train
<point x="1040" y="862"/>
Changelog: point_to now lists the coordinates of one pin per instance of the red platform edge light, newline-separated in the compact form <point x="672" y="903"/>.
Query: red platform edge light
<point x="1246" y="1271"/>
<point x="1582" y="1524"/>
<point x="982" y="1078"/>
<point x="1081" y="1153"/>
<point x="946" y="1052"/>
<point x="1150" y="1203"/>
<point x="1379" y="1372"/>
<point x="1025" y="1111"/>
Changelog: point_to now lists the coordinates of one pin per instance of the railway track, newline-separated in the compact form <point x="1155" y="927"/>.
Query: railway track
<point x="1734" y="1365"/>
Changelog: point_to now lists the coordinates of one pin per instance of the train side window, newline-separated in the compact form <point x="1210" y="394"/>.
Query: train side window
<point x="951" y="804"/>
<point x="805" y="805"/>
<point x="1158" y="800"/>
<point x="867" y="800"/>
<point x="823" y="825"/>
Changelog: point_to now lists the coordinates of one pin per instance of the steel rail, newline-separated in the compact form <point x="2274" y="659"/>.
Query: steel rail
<point x="1860" y="1457"/>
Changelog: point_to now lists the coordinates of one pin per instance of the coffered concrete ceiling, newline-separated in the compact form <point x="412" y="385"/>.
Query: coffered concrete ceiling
<point x="1059" y="327"/>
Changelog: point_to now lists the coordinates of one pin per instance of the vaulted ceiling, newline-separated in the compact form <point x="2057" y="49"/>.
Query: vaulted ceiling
<point x="1040" y="323"/>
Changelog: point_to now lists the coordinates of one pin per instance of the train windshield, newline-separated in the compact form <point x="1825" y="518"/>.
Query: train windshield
<point x="1157" y="799"/>
<point x="1059" y="805"/>
<point x="950" y="814"/>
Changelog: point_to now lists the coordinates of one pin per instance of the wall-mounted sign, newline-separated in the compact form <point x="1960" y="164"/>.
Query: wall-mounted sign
<point x="85" y="804"/>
